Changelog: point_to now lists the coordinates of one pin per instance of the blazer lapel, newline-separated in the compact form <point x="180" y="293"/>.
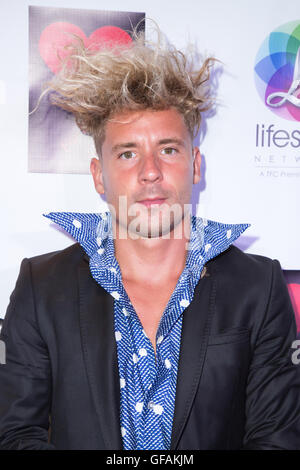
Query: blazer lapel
<point x="100" y="354"/>
<point x="194" y="339"/>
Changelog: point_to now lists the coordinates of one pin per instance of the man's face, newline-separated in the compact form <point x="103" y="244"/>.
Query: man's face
<point x="148" y="158"/>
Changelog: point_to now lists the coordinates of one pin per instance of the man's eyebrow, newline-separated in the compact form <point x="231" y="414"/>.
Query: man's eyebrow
<point x="124" y="145"/>
<point x="172" y="140"/>
<point x="169" y="140"/>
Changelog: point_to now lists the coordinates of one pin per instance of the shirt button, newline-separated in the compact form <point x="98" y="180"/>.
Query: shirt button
<point x="150" y="405"/>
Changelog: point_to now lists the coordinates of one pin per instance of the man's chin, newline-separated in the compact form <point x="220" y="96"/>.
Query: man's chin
<point x="154" y="231"/>
<point x="159" y="226"/>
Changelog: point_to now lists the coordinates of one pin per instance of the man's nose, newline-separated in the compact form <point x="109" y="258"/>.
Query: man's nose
<point x="150" y="169"/>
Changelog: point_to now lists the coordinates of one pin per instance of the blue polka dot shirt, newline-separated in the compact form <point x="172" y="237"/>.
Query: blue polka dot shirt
<point x="147" y="383"/>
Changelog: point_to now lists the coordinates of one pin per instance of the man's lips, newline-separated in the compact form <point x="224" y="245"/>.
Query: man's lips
<point x="149" y="202"/>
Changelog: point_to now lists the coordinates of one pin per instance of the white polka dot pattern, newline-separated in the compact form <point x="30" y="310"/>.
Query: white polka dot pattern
<point x="118" y="336"/>
<point x="143" y="352"/>
<point x="158" y="409"/>
<point x="167" y="363"/>
<point x="139" y="407"/>
<point x="122" y="383"/>
<point x="135" y="358"/>
<point x="207" y="247"/>
<point x="159" y="339"/>
<point x="184" y="302"/>
<point x="147" y="382"/>
<point x="124" y="311"/>
<point x="76" y="223"/>
<point x="116" y="295"/>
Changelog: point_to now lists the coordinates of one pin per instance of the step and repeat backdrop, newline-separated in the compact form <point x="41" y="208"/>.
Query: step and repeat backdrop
<point x="250" y="142"/>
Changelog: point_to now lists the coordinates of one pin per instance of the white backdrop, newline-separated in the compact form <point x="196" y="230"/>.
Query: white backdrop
<point x="233" y="188"/>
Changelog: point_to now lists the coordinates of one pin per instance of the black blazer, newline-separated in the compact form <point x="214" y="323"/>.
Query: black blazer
<point x="237" y="386"/>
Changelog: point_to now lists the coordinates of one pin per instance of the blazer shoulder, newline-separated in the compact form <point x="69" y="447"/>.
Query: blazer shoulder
<point x="57" y="262"/>
<point x="235" y="263"/>
<point x="237" y="255"/>
<point x="250" y="284"/>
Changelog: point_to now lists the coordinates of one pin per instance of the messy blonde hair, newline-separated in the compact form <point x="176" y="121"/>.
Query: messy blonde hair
<point x="94" y="86"/>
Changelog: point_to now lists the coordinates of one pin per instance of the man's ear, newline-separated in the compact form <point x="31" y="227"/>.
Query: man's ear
<point x="196" y="165"/>
<point x="96" y="170"/>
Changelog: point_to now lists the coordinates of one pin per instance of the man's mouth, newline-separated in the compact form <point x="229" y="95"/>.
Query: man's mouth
<point x="150" y="202"/>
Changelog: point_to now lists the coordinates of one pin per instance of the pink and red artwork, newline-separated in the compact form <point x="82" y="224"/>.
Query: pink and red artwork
<point x="293" y="284"/>
<point x="55" y="143"/>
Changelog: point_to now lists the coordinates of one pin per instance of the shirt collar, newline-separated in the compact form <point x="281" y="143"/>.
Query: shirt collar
<point x="94" y="233"/>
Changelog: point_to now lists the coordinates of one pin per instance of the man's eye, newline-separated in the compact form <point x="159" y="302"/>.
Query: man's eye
<point x="169" y="151"/>
<point x="127" y="155"/>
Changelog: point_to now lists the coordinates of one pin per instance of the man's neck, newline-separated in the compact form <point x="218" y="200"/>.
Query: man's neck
<point x="152" y="260"/>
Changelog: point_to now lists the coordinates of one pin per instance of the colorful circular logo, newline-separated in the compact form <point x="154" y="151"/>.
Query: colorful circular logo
<point x="277" y="71"/>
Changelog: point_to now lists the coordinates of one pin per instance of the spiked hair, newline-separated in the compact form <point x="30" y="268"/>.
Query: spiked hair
<point x="142" y="75"/>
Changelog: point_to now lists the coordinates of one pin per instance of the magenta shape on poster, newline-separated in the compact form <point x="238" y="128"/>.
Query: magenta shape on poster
<point x="294" y="291"/>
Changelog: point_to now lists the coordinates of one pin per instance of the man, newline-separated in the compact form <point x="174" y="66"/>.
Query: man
<point x="152" y="331"/>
